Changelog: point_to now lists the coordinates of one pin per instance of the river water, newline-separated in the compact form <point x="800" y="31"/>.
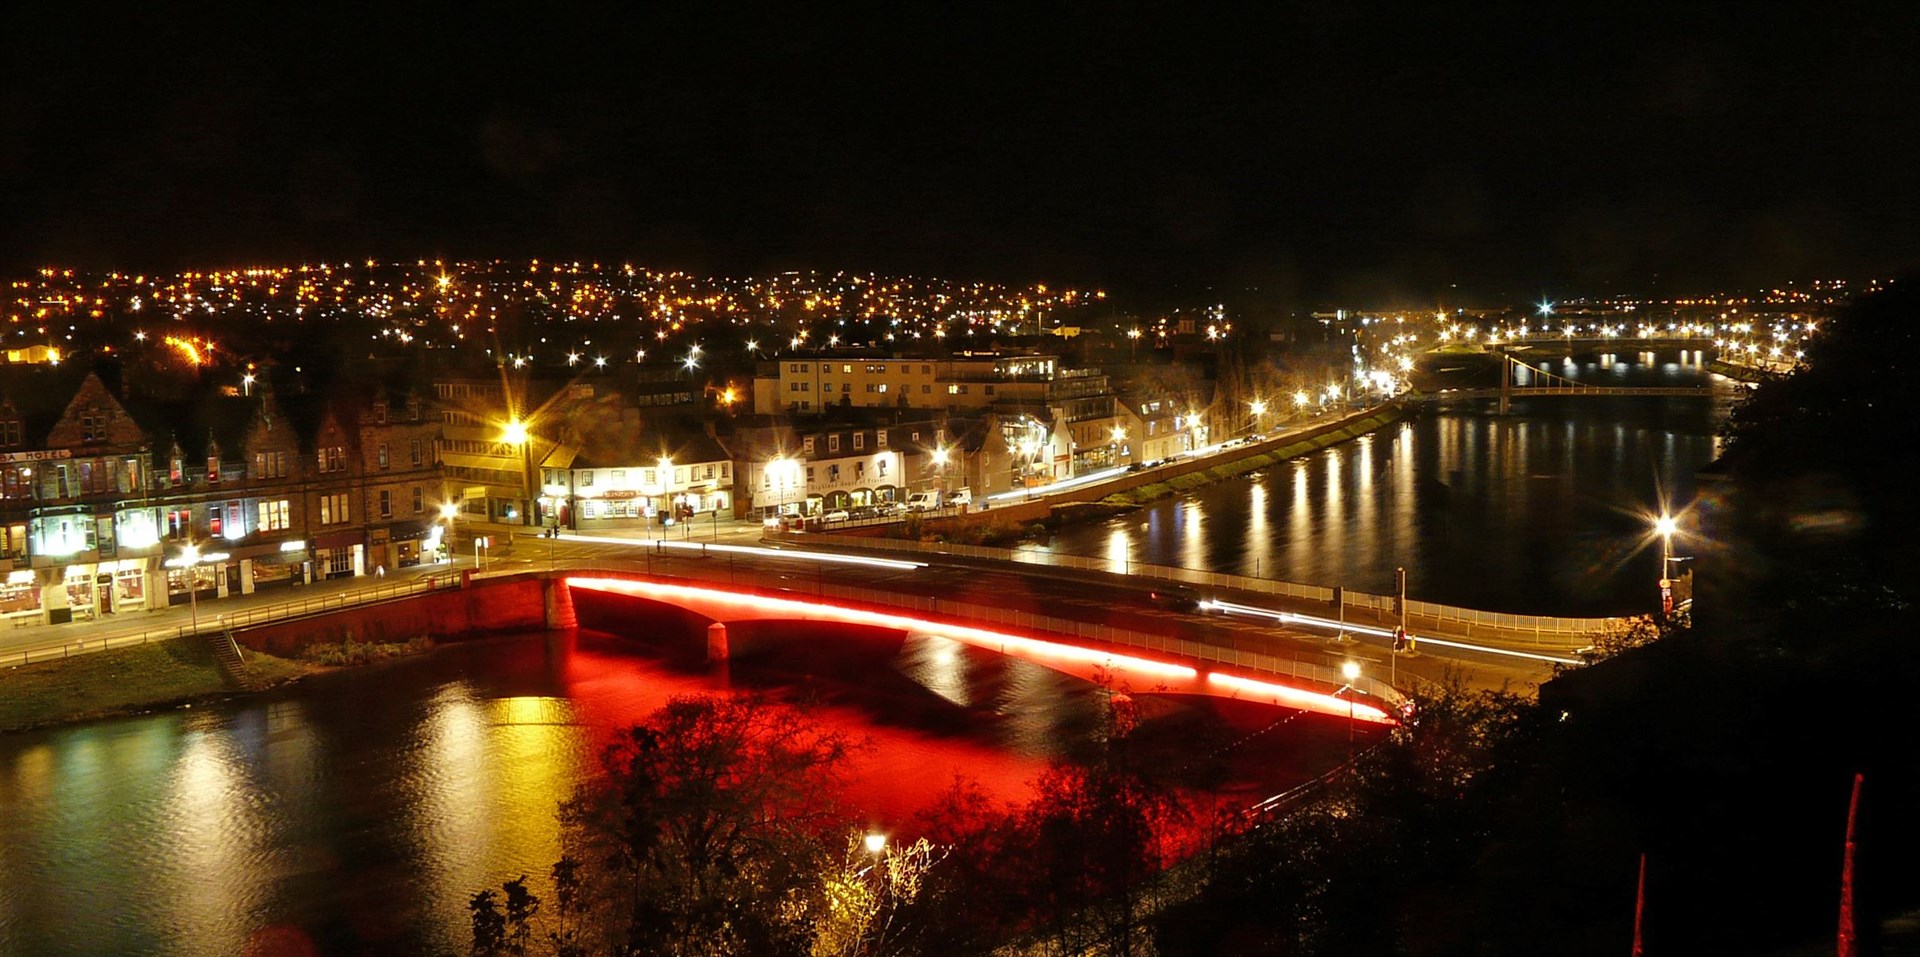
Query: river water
<point x="1544" y="511"/>
<point x="357" y="812"/>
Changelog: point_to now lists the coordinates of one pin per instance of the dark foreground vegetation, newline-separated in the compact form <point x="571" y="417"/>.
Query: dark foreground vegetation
<point x="1492" y="824"/>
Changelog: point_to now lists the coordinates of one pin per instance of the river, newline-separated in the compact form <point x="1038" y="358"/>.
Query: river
<point x="1544" y="511"/>
<point x="356" y="812"/>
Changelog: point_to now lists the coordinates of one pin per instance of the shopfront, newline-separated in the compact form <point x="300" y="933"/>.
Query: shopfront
<point x="20" y="595"/>
<point x="339" y="555"/>
<point x="120" y="586"/>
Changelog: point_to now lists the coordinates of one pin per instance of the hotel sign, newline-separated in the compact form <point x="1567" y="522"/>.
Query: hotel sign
<point x="8" y="458"/>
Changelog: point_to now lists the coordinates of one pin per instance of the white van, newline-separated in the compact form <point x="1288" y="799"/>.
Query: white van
<point x="923" y="501"/>
<point x="960" y="496"/>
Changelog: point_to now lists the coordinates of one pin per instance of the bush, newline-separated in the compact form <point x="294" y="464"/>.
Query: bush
<point x="350" y="652"/>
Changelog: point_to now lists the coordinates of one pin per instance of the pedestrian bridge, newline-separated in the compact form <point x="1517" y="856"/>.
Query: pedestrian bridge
<point x="1139" y="661"/>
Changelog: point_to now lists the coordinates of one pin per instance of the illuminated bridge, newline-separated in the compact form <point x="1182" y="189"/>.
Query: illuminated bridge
<point x="1141" y="661"/>
<point x="1542" y="383"/>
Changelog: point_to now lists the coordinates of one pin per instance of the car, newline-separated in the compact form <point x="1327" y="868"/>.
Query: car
<point x="837" y="515"/>
<point x="1174" y="597"/>
<point x="1137" y="467"/>
<point x="889" y="509"/>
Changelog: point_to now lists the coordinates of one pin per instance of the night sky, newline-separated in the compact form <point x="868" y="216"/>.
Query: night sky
<point x="1314" y="152"/>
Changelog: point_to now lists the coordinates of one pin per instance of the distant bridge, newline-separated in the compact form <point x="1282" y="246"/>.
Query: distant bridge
<point x="1560" y="386"/>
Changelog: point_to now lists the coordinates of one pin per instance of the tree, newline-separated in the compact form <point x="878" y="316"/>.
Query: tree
<point x="704" y="837"/>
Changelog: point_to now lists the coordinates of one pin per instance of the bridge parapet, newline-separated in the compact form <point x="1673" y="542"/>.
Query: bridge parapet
<point x="971" y="622"/>
<point x="1553" y="633"/>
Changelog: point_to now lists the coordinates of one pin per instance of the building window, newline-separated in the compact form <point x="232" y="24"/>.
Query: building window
<point x="179" y="523"/>
<point x="333" y="509"/>
<point x="726" y="470"/>
<point x="833" y="474"/>
<point x="273" y="516"/>
<point x="881" y="467"/>
<point x="680" y="476"/>
<point x="859" y="471"/>
<point x="382" y="455"/>
<point x="586" y="478"/>
<point x="379" y="413"/>
<point x="806" y="445"/>
<point x="333" y="458"/>
<point x="419" y="500"/>
<point x="215" y="513"/>
<point x="650" y="478"/>
<point x="413" y="450"/>
<point x="833" y="443"/>
<point x="10" y="432"/>
<point x="386" y="503"/>
<point x="926" y="390"/>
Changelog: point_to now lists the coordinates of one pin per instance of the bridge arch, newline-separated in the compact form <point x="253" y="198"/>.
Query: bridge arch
<point x="1144" y="672"/>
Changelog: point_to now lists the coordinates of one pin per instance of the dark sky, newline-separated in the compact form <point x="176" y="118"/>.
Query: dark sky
<point x="1318" y="152"/>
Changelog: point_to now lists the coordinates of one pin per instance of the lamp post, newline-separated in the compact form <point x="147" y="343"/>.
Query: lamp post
<point x="515" y="433"/>
<point x="1664" y="527"/>
<point x="190" y="556"/>
<point x="1118" y="435"/>
<point x="1259" y="408"/>
<point x="448" y="511"/>
<point x="1351" y="671"/>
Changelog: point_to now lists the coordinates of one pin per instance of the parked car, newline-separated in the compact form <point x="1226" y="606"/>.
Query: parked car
<point x="889" y="509"/>
<point x="837" y="515"/>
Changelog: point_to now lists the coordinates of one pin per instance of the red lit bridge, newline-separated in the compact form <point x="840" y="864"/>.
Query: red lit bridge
<point x="1140" y="660"/>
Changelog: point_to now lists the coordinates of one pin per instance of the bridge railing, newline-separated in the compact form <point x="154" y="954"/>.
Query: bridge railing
<point x="1546" y="631"/>
<point x="1318" y="669"/>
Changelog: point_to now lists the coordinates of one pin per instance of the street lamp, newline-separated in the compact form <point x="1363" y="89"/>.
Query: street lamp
<point x="515" y="433"/>
<point x="448" y="511"/>
<point x="1351" y="671"/>
<point x="1118" y="435"/>
<point x="1259" y="408"/>
<point x="1665" y="526"/>
<point x="876" y="843"/>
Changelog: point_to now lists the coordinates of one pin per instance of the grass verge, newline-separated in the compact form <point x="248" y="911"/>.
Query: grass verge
<point x="122" y="680"/>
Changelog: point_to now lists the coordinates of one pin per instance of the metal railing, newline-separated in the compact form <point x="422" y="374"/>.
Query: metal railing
<point x="246" y="618"/>
<point x="1556" y="632"/>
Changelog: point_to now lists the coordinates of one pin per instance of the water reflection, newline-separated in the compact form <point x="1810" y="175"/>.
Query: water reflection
<point x="1530" y="512"/>
<point x="355" y="813"/>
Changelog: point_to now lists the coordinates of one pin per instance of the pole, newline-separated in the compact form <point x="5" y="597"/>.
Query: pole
<point x="1848" y="946"/>
<point x="193" y="595"/>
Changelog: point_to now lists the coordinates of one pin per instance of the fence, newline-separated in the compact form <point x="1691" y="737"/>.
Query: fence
<point x="246" y="618"/>
<point x="1320" y="669"/>
<point x="1561" y="633"/>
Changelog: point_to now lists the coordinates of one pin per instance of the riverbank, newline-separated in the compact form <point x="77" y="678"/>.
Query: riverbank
<point x="1220" y="471"/>
<point x="163" y="674"/>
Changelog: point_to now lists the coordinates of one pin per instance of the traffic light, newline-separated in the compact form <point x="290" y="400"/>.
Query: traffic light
<point x="1399" y="639"/>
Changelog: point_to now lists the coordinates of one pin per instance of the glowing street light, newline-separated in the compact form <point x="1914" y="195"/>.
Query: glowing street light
<point x="876" y="843"/>
<point x="1665" y="526"/>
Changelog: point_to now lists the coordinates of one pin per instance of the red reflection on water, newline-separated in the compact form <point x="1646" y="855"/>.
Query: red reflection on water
<point x="897" y="773"/>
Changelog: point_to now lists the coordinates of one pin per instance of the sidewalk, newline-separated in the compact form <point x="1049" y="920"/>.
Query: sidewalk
<point x="109" y="629"/>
